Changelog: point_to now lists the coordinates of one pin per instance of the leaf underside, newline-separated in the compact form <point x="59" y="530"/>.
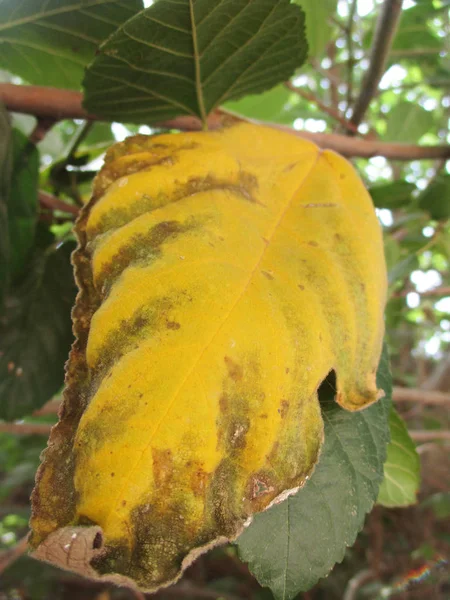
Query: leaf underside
<point x="189" y="56"/>
<point x="402" y="468"/>
<point x="222" y="277"/>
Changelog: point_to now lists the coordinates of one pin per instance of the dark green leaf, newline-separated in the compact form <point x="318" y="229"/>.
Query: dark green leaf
<point x="36" y="333"/>
<point x="435" y="199"/>
<point x="5" y="183"/>
<point x="407" y="122"/>
<point x="392" y="195"/>
<point x="318" y="24"/>
<point x="293" y="544"/>
<point x="23" y="201"/>
<point x="402" y="467"/>
<point x="189" y="56"/>
<point x="50" y="43"/>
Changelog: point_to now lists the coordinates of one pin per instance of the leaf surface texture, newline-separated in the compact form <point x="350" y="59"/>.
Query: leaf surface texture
<point x="222" y="276"/>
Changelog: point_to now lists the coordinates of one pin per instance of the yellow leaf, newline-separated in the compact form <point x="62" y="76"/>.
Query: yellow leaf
<point x="222" y="276"/>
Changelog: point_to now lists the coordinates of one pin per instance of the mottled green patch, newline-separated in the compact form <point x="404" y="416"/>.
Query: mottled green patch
<point x="142" y="249"/>
<point x="118" y="217"/>
<point x="145" y="322"/>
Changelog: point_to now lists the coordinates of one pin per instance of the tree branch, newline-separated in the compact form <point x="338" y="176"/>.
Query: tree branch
<point x="9" y="556"/>
<point x="65" y="104"/>
<point x="329" y="110"/>
<point x="350" y="63"/>
<point x="26" y="428"/>
<point x="385" y="30"/>
<point x="402" y="394"/>
<point x="46" y="200"/>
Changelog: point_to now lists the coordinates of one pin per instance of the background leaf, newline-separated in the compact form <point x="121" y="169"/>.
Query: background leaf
<point x="402" y="467"/>
<point x="407" y="122"/>
<point x="36" y="333"/>
<point x="188" y="57"/>
<point x="435" y="199"/>
<point x="50" y="43"/>
<point x="23" y="201"/>
<point x="310" y="531"/>
<point x="318" y="24"/>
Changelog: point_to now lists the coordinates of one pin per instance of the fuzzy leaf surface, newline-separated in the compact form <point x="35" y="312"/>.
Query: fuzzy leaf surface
<point x="189" y="56"/>
<point x="223" y="275"/>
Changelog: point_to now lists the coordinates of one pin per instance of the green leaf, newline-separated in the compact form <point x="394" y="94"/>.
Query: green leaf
<point x="435" y="199"/>
<point x="318" y="24"/>
<point x="273" y="105"/>
<point x="402" y="269"/>
<point x="36" y="333"/>
<point x="5" y="183"/>
<point x="402" y="467"/>
<point x="50" y="43"/>
<point x="295" y="543"/>
<point x="407" y="122"/>
<point x="23" y="201"/>
<point x="189" y="56"/>
<point x="392" y="195"/>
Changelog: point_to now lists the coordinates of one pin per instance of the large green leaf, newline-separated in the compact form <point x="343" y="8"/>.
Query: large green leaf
<point x="49" y="42"/>
<point x="5" y="183"/>
<point x="402" y="467"/>
<point x="310" y="531"/>
<point x="36" y="333"/>
<point x="435" y="199"/>
<point x="189" y="56"/>
<point x="318" y="24"/>
<point x="407" y="122"/>
<point x="23" y="201"/>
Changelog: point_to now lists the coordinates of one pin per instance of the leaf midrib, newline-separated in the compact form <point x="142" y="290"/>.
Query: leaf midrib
<point x="198" y="79"/>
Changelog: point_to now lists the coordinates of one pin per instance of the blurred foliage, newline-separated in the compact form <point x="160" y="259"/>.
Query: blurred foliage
<point x="413" y="203"/>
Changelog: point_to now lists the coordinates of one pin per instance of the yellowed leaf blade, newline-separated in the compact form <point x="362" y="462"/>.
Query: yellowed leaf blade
<point x="222" y="276"/>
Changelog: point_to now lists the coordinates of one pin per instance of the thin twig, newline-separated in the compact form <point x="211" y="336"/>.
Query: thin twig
<point x="26" y="428"/>
<point x="356" y="583"/>
<point x="46" y="200"/>
<point x="350" y="63"/>
<point x="9" y="556"/>
<point x="435" y="292"/>
<point x="428" y="435"/>
<point x="336" y="115"/>
<point x="384" y="34"/>
<point x="67" y="105"/>
<point x="42" y="127"/>
<point x="51" y="408"/>
<point x="403" y="394"/>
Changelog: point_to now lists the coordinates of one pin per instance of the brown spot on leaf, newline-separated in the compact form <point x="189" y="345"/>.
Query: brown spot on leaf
<point x="162" y="467"/>
<point x="267" y="274"/>
<point x="234" y="370"/>
<point x="172" y="325"/>
<point x="284" y="407"/>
